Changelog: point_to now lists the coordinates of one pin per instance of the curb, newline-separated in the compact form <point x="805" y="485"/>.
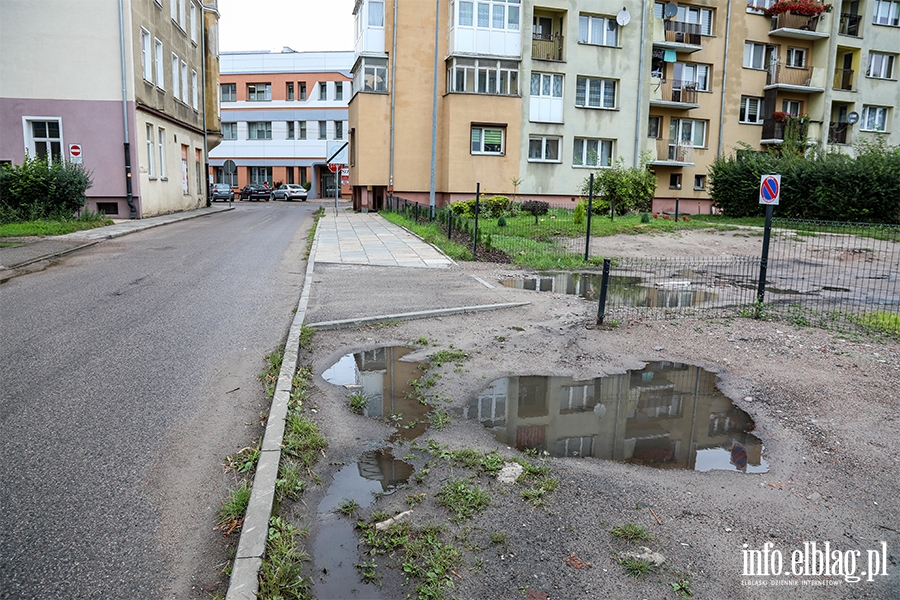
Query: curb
<point x="424" y="314"/>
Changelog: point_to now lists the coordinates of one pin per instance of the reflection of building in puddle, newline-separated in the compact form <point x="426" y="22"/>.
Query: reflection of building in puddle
<point x="622" y="291"/>
<point x="386" y="383"/>
<point x="667" y="415"/>
<point x="381" y="466"/>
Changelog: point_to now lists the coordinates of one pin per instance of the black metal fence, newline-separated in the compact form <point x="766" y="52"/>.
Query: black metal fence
<point x="819" y="273"/>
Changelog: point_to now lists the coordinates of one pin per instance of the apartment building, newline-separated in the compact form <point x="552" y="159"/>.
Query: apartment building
<point x="128" y="89"/>
<point x="281" y="112"/>
<point x="527" y="97"/>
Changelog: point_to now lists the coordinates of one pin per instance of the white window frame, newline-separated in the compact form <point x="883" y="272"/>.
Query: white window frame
<point x="160" y="68"/>
<point x="185" y="92"/>
<point x="697" y="73"/>
<point x="681" y="126"/>
<point x="323" y="91"/>
<point x="883" y="63"/>
<point x="874" y="118"/>
<point x="792" y="107"/>
<point x="751" y="55"/>
<point x="597" y="30"/>
<point x="146" y="56"/>
<point x="229" y="130"/>
<point x="323" y="130"/>
<point x="161" y="147"/>
<point x="751" y="106"/>
<point x="494" y="15"/>
<point x="260" y="175"/>
<point x="195" y="91"/>
<point x="338" y="130"/>
<point x="370" y="75"/>
<point x="301" y="130"/>
<point x="194" y="22"/>
<point x="793" y="54"/>
<point x="593" y="153"/>
<point x="151" y="152"/>
<point x="339" y="91"/>
<point x="255" y="127"/>
<point x="477" y="140"/>
<point x="176" y="62"/>
<point x="694" y="15"/>
<point x="758" y="7"/>
<point x="376" y="17"/>
<point x="545" y="146"/>
<point x="232" y="97"/>
<point x="290" y="130"/>
<point x="588" y="84"/>
<point x="173" y="10"/>
<point x="657" y="119"/>
<point x="265" y="92"/>
<point x="699" y="182"/>
<point x="886" y="13"/>
<point x="182" y="15"/>
<point x="484" y="76"/>
<point x="31" y="140"/>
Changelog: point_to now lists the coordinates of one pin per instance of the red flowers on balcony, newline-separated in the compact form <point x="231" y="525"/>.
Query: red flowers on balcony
<point x="807" y="8"/>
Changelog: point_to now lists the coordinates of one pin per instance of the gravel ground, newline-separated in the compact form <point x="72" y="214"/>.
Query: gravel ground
<point x="825" y="406"/>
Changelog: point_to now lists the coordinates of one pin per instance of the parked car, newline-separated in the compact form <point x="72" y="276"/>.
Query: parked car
<point x="289" y="191"/>
<point x="222" y="191"/>
<point x="255" y="191"/>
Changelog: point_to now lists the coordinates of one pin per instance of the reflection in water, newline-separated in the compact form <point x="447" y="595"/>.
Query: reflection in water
<point x="622" y="291"/>
<point x="667" y="415"/>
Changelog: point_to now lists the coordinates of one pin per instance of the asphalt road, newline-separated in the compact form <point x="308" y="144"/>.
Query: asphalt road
<point x="127" y="374"/>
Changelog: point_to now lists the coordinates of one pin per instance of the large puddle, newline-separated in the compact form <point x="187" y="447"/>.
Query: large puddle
<point x="622" y="291"/>
<point x="667" y="415"/>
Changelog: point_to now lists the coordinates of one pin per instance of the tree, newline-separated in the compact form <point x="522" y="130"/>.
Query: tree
<point x="626" y="189"/>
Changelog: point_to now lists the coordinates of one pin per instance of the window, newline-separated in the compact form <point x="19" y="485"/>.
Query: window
<point x="592" y="153"/>
<point x="491" y="14"/>
<point x="223" y="177"/>
<point x="371" y="75"/>
<point x="290" y="130"/>
<point x="44" y="139"/>
<point x="184" y="82"/>
<point x="796" y="57"/>
<point x="261" y="175"/>
<point x="182" y="14"/>
<point x="759" y="6"/>
<point x="881" y="66"/>
<point x="259" y="130"/>
<point x="687" y="132"/>
<point x="542" y="148"/>
<point x="546" y="104"/>
<point x="193" y="22"/>
<point x="160" y="74"/>
<point x="698" y="16"/>
<point x="229" y="131"/>
<point x="195" y="91"/>
<point x="229" y="92"/>
<point x="675" y="181"/>
<point x="162" y="153"/>
<point x="595" y="93"/>
<point x="791" y="107"/>
<point x="874" y="118"/>
<point x="151" y="152"/>
<point x="464" y="17"/>
<point x="259" y="92"/>
<point x="173" y="10"/>
<point x="339" y="90"/>
<point x="600" y="31"/>
<point x="483" y="76"/>
<point x="146" y="57"/>
<point x="323" y="130"/>
<point x="289" y="90"/>
<point x="301" y="133"/>
<point x="755" y="56"/>
<point x="751" y="110"/>
<point x="323" y="91"/>
<point x="691" y="75"/>
<point x="654" y="126"/>
<point x="175" y="77"/>
<point x="699" y="182"/>
<point x="338" y="130"/>
<point x="886" y="13"/>
<point x="487" y="140"/>
<point x="376" y="13"/>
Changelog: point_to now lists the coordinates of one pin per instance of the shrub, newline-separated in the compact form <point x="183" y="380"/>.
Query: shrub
<point x="536" y="208"/>
<point x="625" y="188"/>
<point x="501" y="222"/>
<point x="578" y="213"/>
<point x="38" y="190"/>
<point x="495" y="206"/>
<point x="645" y="217"/>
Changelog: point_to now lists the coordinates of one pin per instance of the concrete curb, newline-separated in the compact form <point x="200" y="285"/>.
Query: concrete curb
<point x="252" y="544"/>
<point x="424" y="314"/>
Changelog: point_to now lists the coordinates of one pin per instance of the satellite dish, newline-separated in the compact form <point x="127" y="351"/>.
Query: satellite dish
<point x="623" y="18"/>
<point x="853" y="117"/>
<point x="670" y="10"/>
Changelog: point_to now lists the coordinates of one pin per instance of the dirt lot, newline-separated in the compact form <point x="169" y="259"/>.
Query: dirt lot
<point x="826" y="408"/>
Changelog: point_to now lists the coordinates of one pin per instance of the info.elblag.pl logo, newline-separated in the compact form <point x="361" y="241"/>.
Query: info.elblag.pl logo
<point x="819" y="560"/>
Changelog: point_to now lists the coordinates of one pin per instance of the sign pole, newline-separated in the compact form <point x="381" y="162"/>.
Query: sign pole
<point x="769" y="194"/>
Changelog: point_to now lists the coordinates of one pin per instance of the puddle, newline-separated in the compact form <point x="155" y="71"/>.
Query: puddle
<point x="667" y="415"/>
<point x="622" y="291"/>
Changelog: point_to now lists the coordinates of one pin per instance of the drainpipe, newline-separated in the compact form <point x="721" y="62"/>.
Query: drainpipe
<point x="638" y="121"/>
<point x="724" y="73"/>
<point x="434" y="93"/>
<point x="205" y="179"/>
<point x="128" y="190"/>
<point x="393" y="83"/>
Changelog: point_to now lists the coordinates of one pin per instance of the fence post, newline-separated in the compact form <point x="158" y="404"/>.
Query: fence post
<point x="477" y="210"/>
<point x="764" y="262"/>
<point x="587" y="241"/>
<point x="676" y="210"/>
<point x="450" y="224"/>
<point x="604" y="283"/>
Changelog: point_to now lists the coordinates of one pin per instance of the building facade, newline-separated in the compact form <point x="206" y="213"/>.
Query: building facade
<point x="527" y="97"/>
<point x="128" y="89"/>
<point x="281" y="113"/>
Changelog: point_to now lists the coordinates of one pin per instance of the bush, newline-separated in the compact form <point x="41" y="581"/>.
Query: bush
<point x="495" y="206"/>
<point x="626" y="188"/>
<point x="536" y="208"/>
<point x="37" y="190"/>
<point x="578" y="213"/>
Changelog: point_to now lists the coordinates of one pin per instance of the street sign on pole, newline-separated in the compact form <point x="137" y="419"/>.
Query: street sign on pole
<point x="770" y="189"/>
<point x="75" y="154"/>
<point x="334" y="167"/>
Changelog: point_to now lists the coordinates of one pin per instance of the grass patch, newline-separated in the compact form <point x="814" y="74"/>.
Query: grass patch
<point x="358" y="402"/>
<point x="431" y="561"/>
<point x="244" y="460"/>
<point x="302" y="440"/>
<point x="682" y="588"/>
<point x="439" y="419"/>
<point x="462" y="499"/>
<point x="300" y="387"/>
<point x="432" y="234"/>
<point x="311" y="236"/>
<point x="536" y="493"/>
<point x="48" y="228"/>
<point x="231" y="513"/>
<point x="444" y="356"/>
<point x="306" y="335"/>
<point x="880" y="322"/>
<point x="269" y="376"/>
<point x="290" y="484"/>
<point x="636" y="567"/>
<point x="281" y="573"/>
<point x="631" y="532"/>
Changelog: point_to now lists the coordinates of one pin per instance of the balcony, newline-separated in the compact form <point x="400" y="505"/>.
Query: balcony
<point x="794" y="26"/>
<point x="796" y="79"/>
<point x="843" y="79"/>
<point x="837" y="133"/>
<point x="675" y="94"/>
<point x="547" y="46"/>
<point x="674" y="153"/>
<point x="849" y="24"/>
<point x="679" y="36"/>
<point x="773" y="131"/>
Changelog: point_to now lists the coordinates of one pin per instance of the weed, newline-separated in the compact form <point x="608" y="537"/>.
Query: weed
<point x="442" y="356"/>
<point x="302" y="439"/>
<point x="306" y="335"/>
<point x="368" y="571"/>
<point x="289" y="485"/>
<point x="358" y="402"/>
<point x="536" y="494"/>
<point x="516" y="328"/>
<point x="431" y="561"/>
<point x="499" y="537"/>
<point x="280" y="575"/>
<point x="300" y="386"/>
<point x="269" y="376"/>
<point x="462" y="499"/>
<point x="631" y="532"/>
<point x="348" y="507"/>
<point x="636" y="567"/>
<point x="500" y="338"/>
<point x="311" y="236"/>
<point x="682" y="588"/>
<point x="414" y="499"/>
<point x="244" y="460"/>
<point x="422" y="341"/>
<point x="235" y="505"/>
<point x="439" y="419"/>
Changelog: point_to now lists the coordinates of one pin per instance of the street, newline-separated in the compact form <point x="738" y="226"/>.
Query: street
<point x="128" y="375"/>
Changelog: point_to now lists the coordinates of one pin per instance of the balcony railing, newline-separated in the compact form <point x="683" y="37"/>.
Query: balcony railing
<point x="849" y="24"/>
<point x="677" y="151"/>
<point x="773" y="131"/>
<point x="843" y="79"/>
<point x="673" y="90"/>
<point x="837" y="133"/>
<point x="683" y="33"/>
<point x="783" y="75"/>
<point x="792" y="21"/>
<point x="547" y="46"/>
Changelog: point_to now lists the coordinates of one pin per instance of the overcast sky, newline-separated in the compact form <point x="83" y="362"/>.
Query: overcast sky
<point x="304" y="25"/>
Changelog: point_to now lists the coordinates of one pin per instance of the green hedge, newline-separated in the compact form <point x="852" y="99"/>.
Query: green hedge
<point x="37" y="190"/>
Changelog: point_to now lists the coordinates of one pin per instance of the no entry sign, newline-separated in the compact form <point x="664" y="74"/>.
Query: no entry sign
<point x="75" y="153"/>
<point x="770" y="189"/>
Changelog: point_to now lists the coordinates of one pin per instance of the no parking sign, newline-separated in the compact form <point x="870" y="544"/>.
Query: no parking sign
<point x="770" y="189"/>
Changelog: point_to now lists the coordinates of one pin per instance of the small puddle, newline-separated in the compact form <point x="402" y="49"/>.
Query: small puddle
<point x="667" y="415"/>
<point x="622" y="291"/>
<point x="386" y="383"/>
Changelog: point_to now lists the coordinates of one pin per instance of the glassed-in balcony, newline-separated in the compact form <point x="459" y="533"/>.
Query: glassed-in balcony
<point x="675" y="94"/>
<point x="547" y="46"/>
<point x="800" y="27"/>
<point x="843" y="79"/>
<point x="674" y="153"/>
<point x="849" y="24"/>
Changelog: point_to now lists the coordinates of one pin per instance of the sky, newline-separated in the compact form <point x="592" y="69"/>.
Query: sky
<point x="303" y="25"/>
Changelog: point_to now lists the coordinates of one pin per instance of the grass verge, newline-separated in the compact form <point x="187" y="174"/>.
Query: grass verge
<point x="47" y="228"/>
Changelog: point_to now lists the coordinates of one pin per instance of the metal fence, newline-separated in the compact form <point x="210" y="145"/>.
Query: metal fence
<point x="819" y="273"/>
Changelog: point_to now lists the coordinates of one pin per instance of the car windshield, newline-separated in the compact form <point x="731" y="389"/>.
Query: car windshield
<point x="221" y="186"/>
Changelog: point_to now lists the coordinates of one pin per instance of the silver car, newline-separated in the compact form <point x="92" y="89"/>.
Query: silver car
<point x="221" y="191"/>
<point x="290" y="191"/>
